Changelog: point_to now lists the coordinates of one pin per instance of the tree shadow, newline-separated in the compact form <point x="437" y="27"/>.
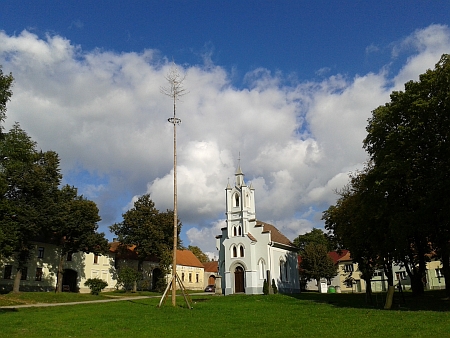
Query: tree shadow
<point x="433" y="300"/>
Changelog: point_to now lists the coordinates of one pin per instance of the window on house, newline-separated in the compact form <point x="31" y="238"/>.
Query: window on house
<point x="95" y="259"/>
<point x="196" y="277"/>
<point x="190" y="277"/>
<point x="40" y="252"/>
<point x="348" y="267"/>
<point x="439" y="273"/>
<point x="182" y="276"/>
<point x="24" y="273"/>
<point x="69" y="256"/>
<point x="234" y="251"/>
<point x="349" y="283"/>
<point x="8" y="272"/>
<point x="400" y="275"/>
<point x="38" y="274"/>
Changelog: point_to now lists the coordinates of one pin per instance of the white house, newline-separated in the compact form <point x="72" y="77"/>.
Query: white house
<point x="251" y="251"/>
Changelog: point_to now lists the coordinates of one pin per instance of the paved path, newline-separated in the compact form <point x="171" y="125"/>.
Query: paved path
<point x="115" y="299"/>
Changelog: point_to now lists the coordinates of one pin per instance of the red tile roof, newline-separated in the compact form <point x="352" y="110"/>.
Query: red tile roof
<point x="211" y="266"/>
<point x="187" y="258"/>
<point x="276" y="235"/>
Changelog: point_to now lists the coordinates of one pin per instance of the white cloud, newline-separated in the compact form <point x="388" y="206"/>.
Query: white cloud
<point x="103" y="113"/>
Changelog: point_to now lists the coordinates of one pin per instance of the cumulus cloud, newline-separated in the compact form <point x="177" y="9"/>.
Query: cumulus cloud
<point x="103" y="113"/>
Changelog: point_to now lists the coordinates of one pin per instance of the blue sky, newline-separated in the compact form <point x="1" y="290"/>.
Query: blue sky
<point x="288" y="84"/>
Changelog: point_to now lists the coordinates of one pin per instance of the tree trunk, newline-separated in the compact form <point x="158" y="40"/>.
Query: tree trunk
<point x="60" y="274"/>
<point x="16" y="286"/>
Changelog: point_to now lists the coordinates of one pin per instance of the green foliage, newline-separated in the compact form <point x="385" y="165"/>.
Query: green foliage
<point x="274" y="287"/>
<point x="148" y="230"/>
<point x="314" y="236"/>
<point x="265" y="287"/>
<point x="127" y="277"/>
<point x="96" y="285"/>
<point x="316" y="263"/>
<point x="202" y="257"/>
<point x="397" y="208"/>
<point x="6" y="82"/>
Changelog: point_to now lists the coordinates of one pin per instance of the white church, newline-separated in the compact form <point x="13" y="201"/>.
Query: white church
<point x="251" y="251"/>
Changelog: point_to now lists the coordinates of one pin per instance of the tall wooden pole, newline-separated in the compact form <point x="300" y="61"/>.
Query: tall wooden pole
<point x="175" y="91"/>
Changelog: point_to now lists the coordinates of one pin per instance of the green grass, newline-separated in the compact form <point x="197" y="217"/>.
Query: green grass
<point x="305" y="315"/>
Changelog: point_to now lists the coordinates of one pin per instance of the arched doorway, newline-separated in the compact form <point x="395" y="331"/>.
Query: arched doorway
<point x="239" y="280"/>
<point x="212" y="280"/>
<point x="70" y="280"/>
<point x="156" y="276"/>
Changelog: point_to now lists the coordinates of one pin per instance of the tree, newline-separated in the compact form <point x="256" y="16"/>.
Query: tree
<point x="6" y="82"/>
<point x="29" y="180"/>
<point x="408" y="142"/>
<point x="316" y="263"/>
<point x="314" y="236"/>
<point x="148" y="231"/>
<point x="202" y="257"/>
<point x="74" y="228"/>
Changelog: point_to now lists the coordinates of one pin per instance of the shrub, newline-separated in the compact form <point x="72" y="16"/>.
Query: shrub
<point x="265" y="287"/>
<point x="274" y="286"/>
<point x="126" y="277"/>
<point x="96" y="285"/>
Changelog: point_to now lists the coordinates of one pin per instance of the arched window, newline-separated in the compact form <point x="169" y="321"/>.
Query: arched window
<point x="261" y="268"/>
<point x="282" y="270"/>
<point x="236" y="200"/>
<point x="234" y="251"/>
<point x="234" y="231"/>
<point x="241" y="251"/>
<point x="239" y="231"/>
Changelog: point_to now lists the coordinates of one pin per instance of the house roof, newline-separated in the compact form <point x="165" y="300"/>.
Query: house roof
<point x="187" y="258"/>
<point x="276" y="235"/>
<point x="253" y="239"/>
<point x="211" y="266"/>
<point x="339" y="256"/>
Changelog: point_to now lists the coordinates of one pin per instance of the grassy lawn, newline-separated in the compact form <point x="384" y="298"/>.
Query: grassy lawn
<point x="305" y="315"/>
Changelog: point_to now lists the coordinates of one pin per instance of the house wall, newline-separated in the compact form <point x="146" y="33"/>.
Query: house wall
<point x="434" y="277"/>
<point x="192" y="277"/>
<point x="83" y="264"/>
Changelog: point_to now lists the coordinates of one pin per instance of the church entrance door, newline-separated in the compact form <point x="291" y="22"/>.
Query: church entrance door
<point x="239" y="280"/>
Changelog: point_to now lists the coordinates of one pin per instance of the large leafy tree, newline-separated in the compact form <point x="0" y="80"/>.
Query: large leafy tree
<point x="30" y="179"/>
<point x="316" y="263"/>
<point x="314" y="236"/>
<point x="74" y="227"/>
<point x="408" y="142"/>
<point x="147" y="231"/>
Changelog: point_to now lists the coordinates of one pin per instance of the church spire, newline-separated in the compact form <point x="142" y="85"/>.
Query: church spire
<point x="239" y="174"/>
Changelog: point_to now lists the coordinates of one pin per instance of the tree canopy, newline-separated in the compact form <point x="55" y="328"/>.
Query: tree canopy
<point x="202" y="257"/>
<point x="148" y="231"/>
<point x="397" y="207"/>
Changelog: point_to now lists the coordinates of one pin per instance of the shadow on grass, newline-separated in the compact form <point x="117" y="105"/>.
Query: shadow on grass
<point x="434" y="300"/>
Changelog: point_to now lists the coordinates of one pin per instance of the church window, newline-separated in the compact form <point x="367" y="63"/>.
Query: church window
<point x="236" y="200"/>
<point x="282" y="271"/>
<point x="261" y="269"/>
<point x="234" y="251"/>
<point x="234" y="231"/>
<point x="241" y="251"/>
<point x="240" y="230"/>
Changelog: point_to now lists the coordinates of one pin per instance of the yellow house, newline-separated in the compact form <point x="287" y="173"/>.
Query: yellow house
<point x="190" y="270"/>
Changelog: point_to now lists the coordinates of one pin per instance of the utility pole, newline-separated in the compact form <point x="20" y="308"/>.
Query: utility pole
<point x="175" y="90"/>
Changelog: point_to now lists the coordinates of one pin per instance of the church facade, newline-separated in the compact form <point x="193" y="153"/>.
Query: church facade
<point x="251" y="251"/>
